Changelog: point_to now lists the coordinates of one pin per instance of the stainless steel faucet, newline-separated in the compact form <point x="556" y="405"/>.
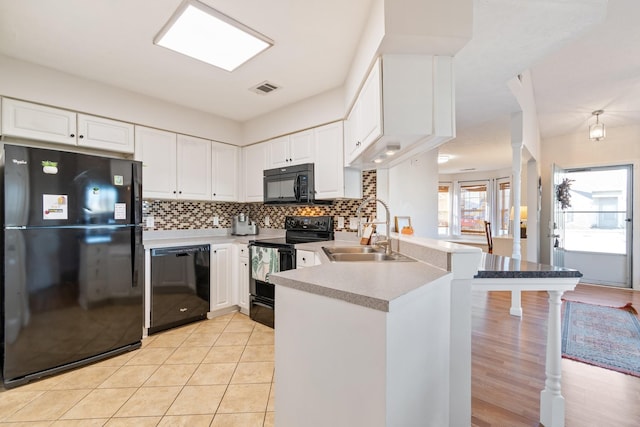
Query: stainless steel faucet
<point x="386" y="243"/>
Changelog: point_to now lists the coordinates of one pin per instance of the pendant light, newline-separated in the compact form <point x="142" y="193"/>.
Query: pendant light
<point x="596" y="130"/>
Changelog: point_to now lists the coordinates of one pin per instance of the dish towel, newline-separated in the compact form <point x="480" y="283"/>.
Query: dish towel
<point x="264" y="261"/>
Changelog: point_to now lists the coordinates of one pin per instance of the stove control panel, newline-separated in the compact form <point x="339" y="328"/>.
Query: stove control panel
<point x="309" y="223"/>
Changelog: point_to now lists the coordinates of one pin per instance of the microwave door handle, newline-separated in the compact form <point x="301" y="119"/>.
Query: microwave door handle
<point x="296" y="188"/>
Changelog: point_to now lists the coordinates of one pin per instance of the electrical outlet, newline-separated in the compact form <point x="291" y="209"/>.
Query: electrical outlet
<point x="340" y="222"/>
<point x="216" y="220"/>
<point x="267" y="221"/>
<point x="149" y="222"/>
<point x="353" y="223"/>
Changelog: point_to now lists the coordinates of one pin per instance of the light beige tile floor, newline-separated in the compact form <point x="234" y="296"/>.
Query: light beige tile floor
<point x="216" y="373"/>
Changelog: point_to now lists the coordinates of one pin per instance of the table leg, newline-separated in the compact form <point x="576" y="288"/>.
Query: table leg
<point x="516" y="305"/>
<point x="551" y="400"/>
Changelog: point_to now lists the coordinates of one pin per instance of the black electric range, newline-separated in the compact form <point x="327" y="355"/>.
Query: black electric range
<point x="279" y="254"/>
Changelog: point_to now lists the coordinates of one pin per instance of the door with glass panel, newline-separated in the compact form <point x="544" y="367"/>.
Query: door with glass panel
<point x="593" y="223"/>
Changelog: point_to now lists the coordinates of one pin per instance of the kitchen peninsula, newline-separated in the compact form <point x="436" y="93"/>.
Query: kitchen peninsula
<point x="397" y="335"/>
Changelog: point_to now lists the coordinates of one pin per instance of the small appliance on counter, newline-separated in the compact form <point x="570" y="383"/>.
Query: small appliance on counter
<point x="242" y="226"/>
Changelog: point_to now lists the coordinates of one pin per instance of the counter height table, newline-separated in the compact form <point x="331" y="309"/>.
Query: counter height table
<point x="499" y="273"/>
<point x="379" y="344"/>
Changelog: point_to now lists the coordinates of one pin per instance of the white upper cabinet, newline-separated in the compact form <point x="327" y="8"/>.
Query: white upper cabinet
<point x="364" y="124"/>
<point x="156" y="149"/>
<point x="253" y="166"/>
<point x="194" y="168"/>
<point x="39" y="122"/>
<point x="105" y="134"/>
<point x="224" y="172"/>
<point x="173" y="166"/>
<point x="332" y="179"/>
<point x="302" y="147"/>
<point x="289" y="150"/>
<point x="406" y="101"/>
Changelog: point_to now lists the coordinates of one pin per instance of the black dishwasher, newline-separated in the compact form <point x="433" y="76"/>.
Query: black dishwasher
<point x="180" y="286"/>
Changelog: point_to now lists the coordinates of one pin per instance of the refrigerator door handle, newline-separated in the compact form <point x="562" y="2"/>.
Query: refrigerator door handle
<point x="136" y="204"/>
<point x="136" y="259"/>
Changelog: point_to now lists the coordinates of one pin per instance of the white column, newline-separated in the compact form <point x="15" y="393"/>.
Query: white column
<point x="517" y="141"/>
<point x="551" y="400"/>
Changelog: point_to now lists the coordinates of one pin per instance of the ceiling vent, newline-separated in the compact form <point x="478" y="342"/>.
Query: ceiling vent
<point x="264" y="88"/>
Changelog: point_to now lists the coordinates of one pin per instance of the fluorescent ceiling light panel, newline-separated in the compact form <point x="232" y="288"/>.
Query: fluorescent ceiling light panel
<point x="203" y="33"/>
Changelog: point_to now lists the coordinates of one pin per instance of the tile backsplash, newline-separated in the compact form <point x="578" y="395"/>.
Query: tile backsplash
<point x="188" y="215"/>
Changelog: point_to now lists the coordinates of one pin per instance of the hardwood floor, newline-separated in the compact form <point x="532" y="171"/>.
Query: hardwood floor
<point x="508" y="365"/>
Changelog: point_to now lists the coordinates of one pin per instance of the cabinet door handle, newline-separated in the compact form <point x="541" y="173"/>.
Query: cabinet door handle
<point x="73" y="135"/>
<point x="80" y="136"/>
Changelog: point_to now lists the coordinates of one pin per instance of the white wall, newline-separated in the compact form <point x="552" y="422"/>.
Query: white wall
<point x="315" y="111"/>
<point x="34" y="83"/>
<point x="413" y="191"/>
<point x="473" y="176"/>
<point x="621" y="147"/>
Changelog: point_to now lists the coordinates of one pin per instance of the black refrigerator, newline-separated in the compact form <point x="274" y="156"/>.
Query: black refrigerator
<point x="73" y="262"/>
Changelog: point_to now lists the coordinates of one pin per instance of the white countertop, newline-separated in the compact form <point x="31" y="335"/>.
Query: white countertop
<point x="168" y="238"/>
<point x="370" y="284"/>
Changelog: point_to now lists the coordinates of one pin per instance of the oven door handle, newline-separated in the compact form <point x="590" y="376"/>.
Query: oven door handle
<point x="288" y="251"/>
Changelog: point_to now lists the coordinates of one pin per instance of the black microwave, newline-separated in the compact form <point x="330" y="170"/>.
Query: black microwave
<point x="291" y="184"/>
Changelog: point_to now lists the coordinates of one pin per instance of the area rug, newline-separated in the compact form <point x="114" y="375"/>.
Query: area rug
<point x="607" y="337"/>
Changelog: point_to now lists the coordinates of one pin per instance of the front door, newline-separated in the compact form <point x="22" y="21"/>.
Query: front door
<point x="593" y="231"/>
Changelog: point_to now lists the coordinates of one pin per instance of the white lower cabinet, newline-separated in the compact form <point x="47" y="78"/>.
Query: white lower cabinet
<point x="242" y="278"/>
<point x="222" y="295"/>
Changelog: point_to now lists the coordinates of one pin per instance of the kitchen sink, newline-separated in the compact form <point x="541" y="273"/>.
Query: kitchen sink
<point x="352" y="249"/>
<point x="362" y="253"/>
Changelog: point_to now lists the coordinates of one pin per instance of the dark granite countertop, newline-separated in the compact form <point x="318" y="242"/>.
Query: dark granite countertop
<point x="502" y="267"/>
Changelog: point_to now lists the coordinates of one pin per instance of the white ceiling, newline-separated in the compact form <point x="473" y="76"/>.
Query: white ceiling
<point x="577" y="63"/>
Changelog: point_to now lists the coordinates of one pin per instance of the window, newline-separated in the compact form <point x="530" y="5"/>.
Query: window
<point x="444" y="209"/>
<point x="473" y="207"/>
<point x="596" y="221"/>
<point x="504" y="202"/>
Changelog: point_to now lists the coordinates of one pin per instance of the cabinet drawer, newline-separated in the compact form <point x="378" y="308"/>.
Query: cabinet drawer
<point x="305" y="259"/>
